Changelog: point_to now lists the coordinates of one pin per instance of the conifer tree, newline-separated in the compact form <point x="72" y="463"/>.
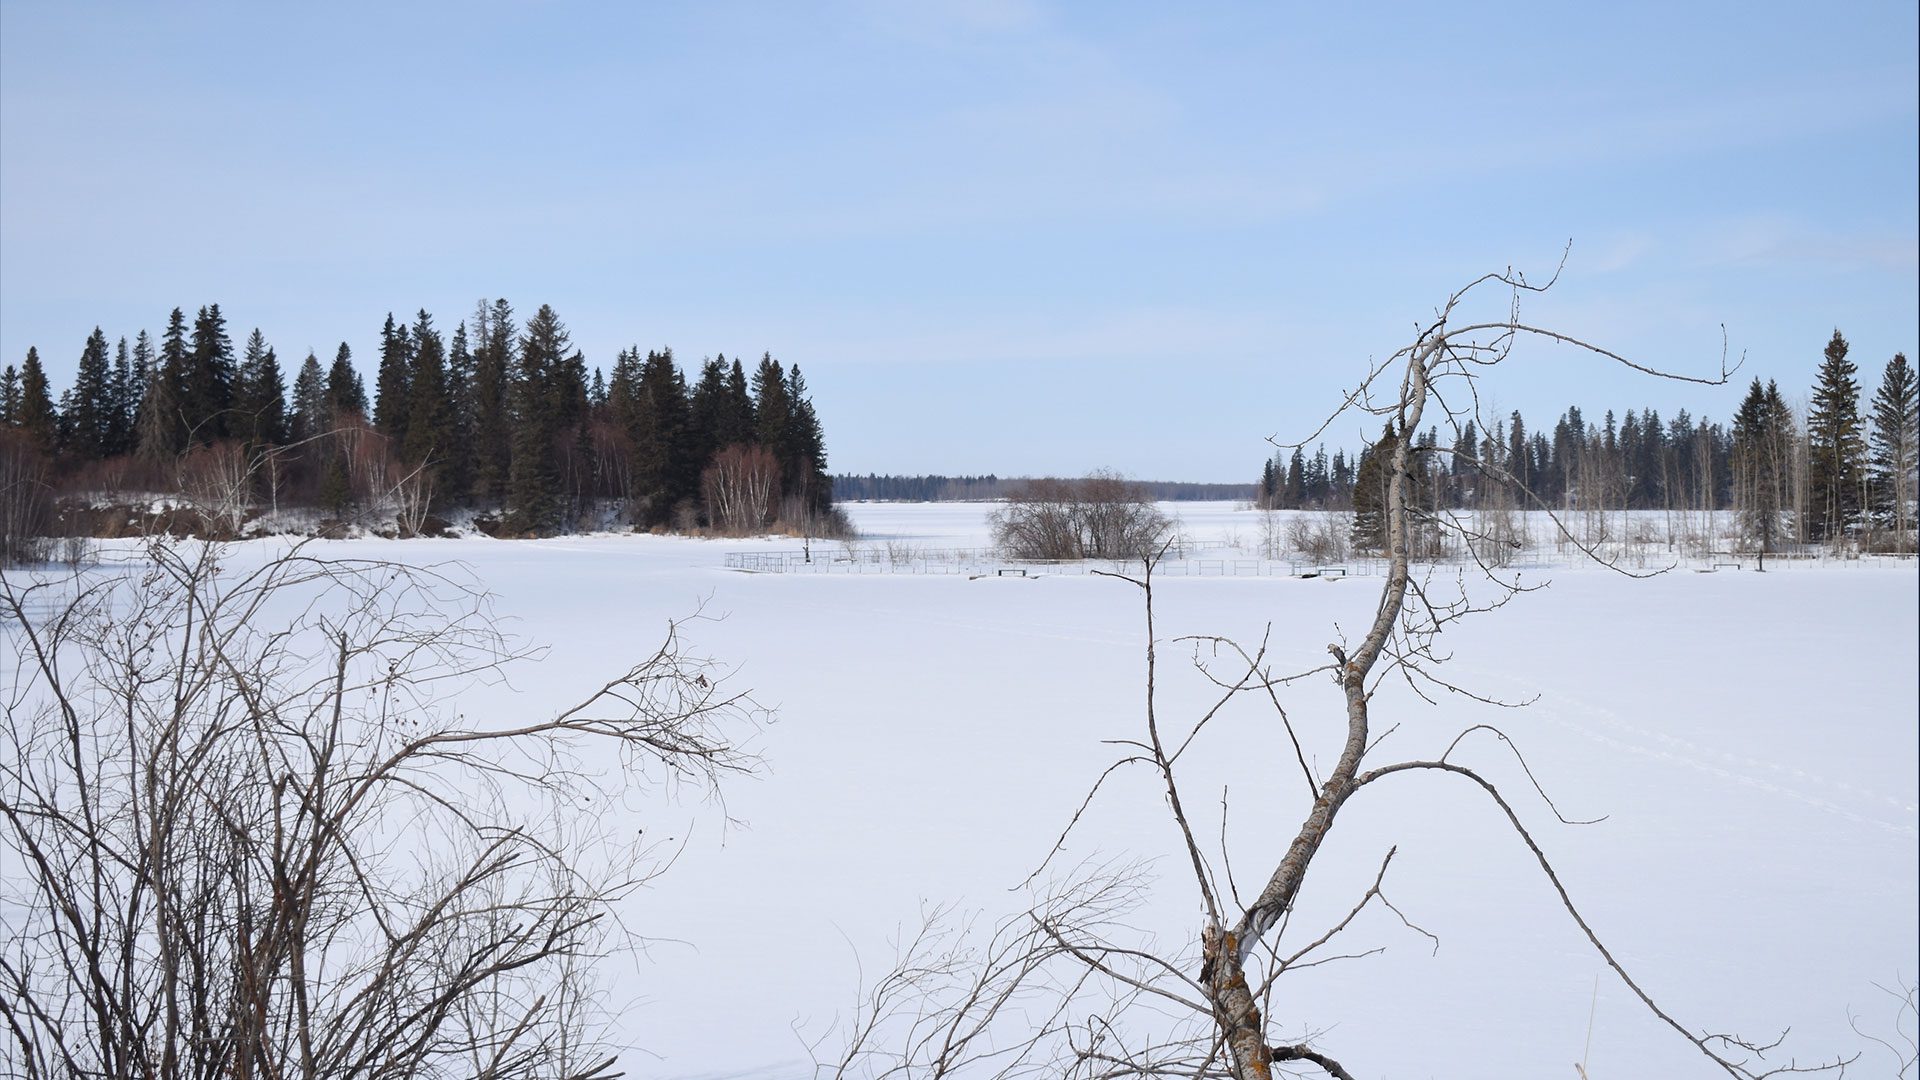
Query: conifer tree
<point x="310" y="410"/>
<point x="169" y="428"/>
<point x="806" y="448"/>
<point x="429" y="421"/>
<point x="124" y="401"/>
<point x="390" y="400"/>
<point x="10" y="397"/>
<point x="37" y="418"/>
<point x="207" y="396"/>
<point x="88" y="417"/>
<point x="737" y="423"/>
<point x="706" y="405"/>
<point x="1296" y="491"/>
<point x="1269" y="485"/>
<point x="1763" y="448"/>
<point x="1895" y="448"/>
<point x="260" y="395"/>
<point x="493" y="378"/>
<point x="533" y="472"/>
<point x="1836" y="448"/>
<point x="346" y="393"/>
<point x="771" y="413"/>
<point x="456" y="468"/>
<point x="1370" y="493"/>
<point x="663" y="473"/>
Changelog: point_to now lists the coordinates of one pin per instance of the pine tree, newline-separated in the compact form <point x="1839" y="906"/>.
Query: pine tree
<point x="310" y="414"/>
<point x="37" y="418"/>
<point x="456" y="460"/>
<point x="770" y="411"/>
<point x="121" y="394"/>
<point x="706" y="405"/>
<point x="663" y="473"/>
<point x="1269" y="485"/>
<point x="1895" y="449"/>
<point x="429" y="422"/>
<point x="89" y="415"/>
<point x="1836" y="450"/>
<point x="260" y="395"/>
<point x="10" y="397"/>
<point x="1296" y="493"/>
<point x="346" y="393"/>
<point x="207" y="395"/>
<point x="533" y="472"/>
<point x="1370" y="493"/>
<point x="390" y="386"/>
<point x="737" y="423"/>
<point x="1762" y="448"/>
<point x="807" y="448"/>
<point x="493" y="378"/>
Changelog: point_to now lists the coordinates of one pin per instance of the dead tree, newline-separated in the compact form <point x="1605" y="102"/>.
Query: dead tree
<point x="243" y="835"/>
<point x="1213" y="1013"/>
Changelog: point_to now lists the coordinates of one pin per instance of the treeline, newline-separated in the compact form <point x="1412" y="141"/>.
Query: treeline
<point x="874" y="488"/>
<point x="498" y="417"/>
<point x="1839" y="474"/>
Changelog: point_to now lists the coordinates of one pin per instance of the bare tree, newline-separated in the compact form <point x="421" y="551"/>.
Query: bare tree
<point x="244" y="836"/>
<point x="1103" y="516"/>
<point x="1212" y="1015"/>
<point x="740" y="488"/>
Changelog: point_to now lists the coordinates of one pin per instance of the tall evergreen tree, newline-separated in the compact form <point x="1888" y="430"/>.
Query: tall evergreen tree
<point x="10" y="397"/>
<point x="123" y="402"/>
<point x="1836" y="447"/>
<point x="494" y="366"/>
<point x="771" y="413"/>
<point x="260" y="395"/>
<point x="36" y="416"/>
<point x="89" y="416"/>
<point x="310" y="415"/>
<point x="429" y="422"/>
<point x="663" y="473"/>
<point x="390" y="399"/>
<point x="170" y="425"/>
<point x="207" y="396"/>
<point x="1895" y="448"/>
<point x="146" y="367"/>
<point x="533" y="472"/>
<point x="1763" y="449"/>
<point x="807" y="450"/>
<point x="1370" y="525"/>
<point x="346" y="393"/>
<point x="456" y="468"/>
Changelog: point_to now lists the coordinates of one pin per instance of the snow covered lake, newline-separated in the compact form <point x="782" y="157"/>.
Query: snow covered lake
<point x="1750" y="740"/>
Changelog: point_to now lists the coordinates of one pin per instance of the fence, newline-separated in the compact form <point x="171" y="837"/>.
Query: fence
<point x="1192" y="561"/>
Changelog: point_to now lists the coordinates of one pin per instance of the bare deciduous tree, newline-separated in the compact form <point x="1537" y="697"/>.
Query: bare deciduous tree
<point x="242" y="836"/>
<point x="1103" y="516"/>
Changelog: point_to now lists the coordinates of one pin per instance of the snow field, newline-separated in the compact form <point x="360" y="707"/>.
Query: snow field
<point x="1751" y="740"/>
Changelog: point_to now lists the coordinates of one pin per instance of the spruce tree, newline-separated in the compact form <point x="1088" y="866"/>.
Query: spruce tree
<point x="533" y="472"/>
<point x="260" y="395"/>
<point x="390" y="400"/>
<point x="771" y="414"/>
<point x="1296" y="490"/>
<point x="1895" y="449"/>
<point x="494" y="365"/>
<point x="429" y="421"/>
<point x="169" y="429"/>
<point x="207" y="397"/>
<point x="737" y="424"/>
<point x="121" y="395"/>
<point x="456" y="468"/>
<point x="1762" y="450"/>
<point x="706" y="405"/>
<point x="1370" y="525"/>
<point x="806" y="448"/>
<point x="1836" y="448"/>
<point x="310" y="411"/>
<point x="10" y="397"/>
<point x="89" y="416"/>
<point x="663" y="475"/>
<point x="346" y="393"/>
<point x="37" y="418"/>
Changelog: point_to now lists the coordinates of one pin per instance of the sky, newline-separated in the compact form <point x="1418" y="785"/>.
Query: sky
<point x="996" y="236"/>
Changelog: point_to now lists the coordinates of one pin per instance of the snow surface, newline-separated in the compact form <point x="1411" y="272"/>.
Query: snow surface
<point x="1751" y="739"/>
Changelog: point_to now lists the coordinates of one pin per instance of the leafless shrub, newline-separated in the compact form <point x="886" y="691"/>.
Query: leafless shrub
<point x="1318" y="537"/>
<point x="245" y="837"/>
<point x="26" y="504"/>
<point x="1103" y="516"/>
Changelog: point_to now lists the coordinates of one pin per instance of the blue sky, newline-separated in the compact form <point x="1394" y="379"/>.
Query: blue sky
<point x="996" y="236"/>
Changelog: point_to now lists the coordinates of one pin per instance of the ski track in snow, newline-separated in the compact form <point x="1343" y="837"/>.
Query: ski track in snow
<point x="1852" y="802"/>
